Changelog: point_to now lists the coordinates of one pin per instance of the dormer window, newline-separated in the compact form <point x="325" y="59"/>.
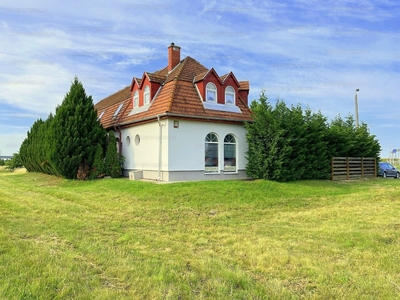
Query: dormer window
<point x="136" y="99"/>
<point x="230" y="96"/>
<point x="146" y="95"/>
<point x="211" y="92"/>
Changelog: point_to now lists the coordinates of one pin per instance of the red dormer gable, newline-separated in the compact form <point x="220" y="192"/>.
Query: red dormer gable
<point x="221" y="83"/>
<point x="181" y="93"/>
<point x="153" y="81"/>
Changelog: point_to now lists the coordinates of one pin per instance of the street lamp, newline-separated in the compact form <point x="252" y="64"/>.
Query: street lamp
<point x="356" y="101"/>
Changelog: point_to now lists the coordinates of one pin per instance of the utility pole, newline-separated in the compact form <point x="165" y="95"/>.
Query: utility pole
<point x="356" y="102"/>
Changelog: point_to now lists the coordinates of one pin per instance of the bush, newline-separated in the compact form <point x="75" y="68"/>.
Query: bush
<point x="14" y="163"/>
<point x="289" y="144"/>
<point x="98" y="168"/>
<point x="112" y="161"/>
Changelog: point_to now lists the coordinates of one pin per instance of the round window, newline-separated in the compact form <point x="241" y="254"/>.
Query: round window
<point x="128" y="140"/>
<point x="137" y="140"/>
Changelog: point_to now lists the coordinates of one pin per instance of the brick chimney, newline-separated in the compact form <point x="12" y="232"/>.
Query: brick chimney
<point x="174" y="56"/>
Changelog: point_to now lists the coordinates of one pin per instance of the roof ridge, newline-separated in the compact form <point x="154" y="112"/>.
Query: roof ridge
<point x="179" y="67"/>
<point x="197" y="62"/>
<point x="172" y="94"/>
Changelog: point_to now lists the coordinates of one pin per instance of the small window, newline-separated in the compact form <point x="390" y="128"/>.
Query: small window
<point x="230" y="96"/>
<point x="128" y="141"/>
<point x="146" y="95"/>
<point x="137" y="140"/>
<point x="211" y="92"/>
<point x="229" y="153"/>
<point x="102" y="113"/>
<point x="136" y="99"/>
<point x="118" y="109"/>
<point x="211" y="153"/>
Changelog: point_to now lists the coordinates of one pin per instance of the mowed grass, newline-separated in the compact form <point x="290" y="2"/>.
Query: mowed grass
<point x="120" y="239"/>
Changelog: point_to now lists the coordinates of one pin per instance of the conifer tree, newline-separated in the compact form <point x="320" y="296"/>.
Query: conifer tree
<point x="317" y="161"/>
<point x="286" y="144"/>
<point x="76" y="132"/>
<point x="112" y="161"/>
<point x="98" y="168"/>
<point x="263" y="136"/>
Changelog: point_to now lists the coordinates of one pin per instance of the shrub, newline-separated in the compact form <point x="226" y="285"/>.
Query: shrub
<point x="14" y="163"/>
<point x="112" y="160"/>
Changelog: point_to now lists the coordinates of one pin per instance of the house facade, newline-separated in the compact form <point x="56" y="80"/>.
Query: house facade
<point x="183" y="122"/>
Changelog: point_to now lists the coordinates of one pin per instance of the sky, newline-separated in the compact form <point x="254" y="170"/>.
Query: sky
<point x="313" y="53"/>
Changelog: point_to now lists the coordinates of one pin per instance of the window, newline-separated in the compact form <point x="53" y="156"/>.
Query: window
<point x="118" y="109"/>
<point x="128" y="141"/>
<point x="230" y="96"/>
<point x="102" y="113"/>
<point x="211" y="94"/>
<point x="211" y="153"/>
<point x="136" y="99"/>
<point x="229" y="153"/>
<point x="146" y="95"/>
<point x="137" y="140"/>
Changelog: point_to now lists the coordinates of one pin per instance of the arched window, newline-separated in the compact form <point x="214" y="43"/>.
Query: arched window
<point x="211" y="92"/>
<point x="229" y="153"/>
<point x="146" y="95"/>
<point x="136" y="99"/>
<point x="230" y="95"/>
<point x="211" y="153"/>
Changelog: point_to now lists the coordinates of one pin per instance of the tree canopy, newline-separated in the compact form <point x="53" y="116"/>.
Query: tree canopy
<point x="68" y="139"/>
<point x="291" y="143"/>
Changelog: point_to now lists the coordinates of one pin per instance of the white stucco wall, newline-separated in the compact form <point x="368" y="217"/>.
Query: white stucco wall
<point x="187" y="144"/>
<point x="145" y="155"/>
<point x="183" y="150"/>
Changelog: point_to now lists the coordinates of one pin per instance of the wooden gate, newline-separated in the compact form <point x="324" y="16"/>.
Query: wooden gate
<point x="353" y="168"/>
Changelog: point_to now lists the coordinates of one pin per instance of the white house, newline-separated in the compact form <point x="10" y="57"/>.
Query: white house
<point x="184" y="122"/>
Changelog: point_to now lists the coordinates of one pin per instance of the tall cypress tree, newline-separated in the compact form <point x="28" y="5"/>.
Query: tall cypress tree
<point x="317" y="161"/>
<point x="264" y="137"/>
<point x="76" y="132"/>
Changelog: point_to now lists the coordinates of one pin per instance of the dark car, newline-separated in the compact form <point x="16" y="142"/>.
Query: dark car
<point x="387" y="170"/>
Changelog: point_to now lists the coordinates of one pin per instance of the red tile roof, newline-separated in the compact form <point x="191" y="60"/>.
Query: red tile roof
<point x="114" y="98"/>
<point x="244" y="85"/>
<point x="177" y="97"/>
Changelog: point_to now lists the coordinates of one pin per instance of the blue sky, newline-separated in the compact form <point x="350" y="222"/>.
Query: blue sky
<point x="315" y="53"/>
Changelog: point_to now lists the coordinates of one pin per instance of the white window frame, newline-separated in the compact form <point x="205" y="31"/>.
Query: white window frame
<point x="230" y="139"/>
<point x="211" y="87"/>
<point x="230" y="93"/>
<point x="136" y="99"/>
<point x="211" y="138"/>
<point x="146" y="95"/>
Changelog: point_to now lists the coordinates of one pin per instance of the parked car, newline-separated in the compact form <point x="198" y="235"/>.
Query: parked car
<point x="387" y="170"/>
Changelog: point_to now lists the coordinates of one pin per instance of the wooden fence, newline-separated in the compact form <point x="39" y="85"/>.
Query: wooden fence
<point x="353" y="167"/>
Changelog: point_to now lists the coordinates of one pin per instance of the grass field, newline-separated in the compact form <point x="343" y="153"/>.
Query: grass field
<point x="120" y="239"/>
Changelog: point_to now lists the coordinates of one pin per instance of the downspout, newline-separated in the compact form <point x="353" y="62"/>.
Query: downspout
<point x="119" y="133"/>
<point x="119" y="140"/>
<point x="119" y="146"/>
<point x="159" y="147"/>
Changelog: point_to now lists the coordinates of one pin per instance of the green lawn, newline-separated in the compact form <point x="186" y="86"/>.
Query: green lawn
<point x="120" y="239"/>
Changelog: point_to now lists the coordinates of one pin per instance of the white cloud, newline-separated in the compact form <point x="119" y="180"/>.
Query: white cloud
<point x="304" y="51"/>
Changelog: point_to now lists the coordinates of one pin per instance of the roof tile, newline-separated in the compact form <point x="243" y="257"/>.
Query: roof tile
<point x="177" y="97"/>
